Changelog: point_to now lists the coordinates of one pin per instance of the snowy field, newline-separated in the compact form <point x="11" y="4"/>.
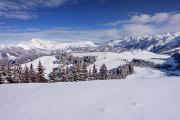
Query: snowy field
<point x="146" y="95"/>
<point x="112" y="60"/>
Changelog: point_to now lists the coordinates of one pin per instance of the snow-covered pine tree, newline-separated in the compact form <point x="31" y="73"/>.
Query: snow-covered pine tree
<point x="53" y="76"/>
<point x="131" y="69"/>
<point x="40" y="76"/>
<point x="17" y="73"/>
<point x="103" y="72"/>
<point x="9" y="74"/>
<point x="26" y="75"/>
<point x="84" y="72"/>
<point x="2" y="75"/>
<point x="94" y="72"/>
<point x="71" y="74"/>
<point x="62" y="74"/>
<point x="1" y="78"/>
<point x="80" y="72"/>
<point x="32" y="74"/>
<point x="76" y="72"/>
<point x="90" y="75"/>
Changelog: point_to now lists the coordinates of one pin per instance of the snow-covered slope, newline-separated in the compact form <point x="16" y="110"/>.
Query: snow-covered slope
<point x="150" y="96"/>
<point x="47" y="62"/>
<point x="112" y="60"/>
<point x="160" y="43"/>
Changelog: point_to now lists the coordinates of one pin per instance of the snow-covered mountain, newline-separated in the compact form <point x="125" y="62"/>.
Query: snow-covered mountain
<point x="52" y="45"/>
<point x="168" y="43"/>
<point x="37" y="47"/>
<point x="160" y="43"/>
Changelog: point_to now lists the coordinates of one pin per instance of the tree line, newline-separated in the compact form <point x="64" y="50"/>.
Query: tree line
<point x="79" y="72"/>
<point x="73" y="68"/>
<point x="70" y="69"/>
<point x="144" y="63"/>
<point x="18" y="74"/>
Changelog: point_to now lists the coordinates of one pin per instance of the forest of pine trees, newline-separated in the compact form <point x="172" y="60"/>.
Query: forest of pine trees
<point x="70" y="69"/>
<point x="78" y="72"/>
<point x="17" y="74"/>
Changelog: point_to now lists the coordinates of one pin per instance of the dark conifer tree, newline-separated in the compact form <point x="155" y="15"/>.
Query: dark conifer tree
<point x="17" y="73"/>
<point x="32" y="74"/>
<point x="1" y="79"/>
<point x="26" y="75"/>
<point x="103" y="72"/>
<point x="80" y="72"/>
<point x="71" y="74"/>
<point x="53" y="76"/>
<point x="131" y="69"/>
<point x="9" y="74"/>
<point x="94" y="72"/>
<point x="63" y="74"/>
<point x="90" y="77"/>
<point x="40" y="76"/>
<point x="2" y="75"/>
<point x="84" y="72"/>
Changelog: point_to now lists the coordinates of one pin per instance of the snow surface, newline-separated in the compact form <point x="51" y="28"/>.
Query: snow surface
<point x="112" y="60"/>
<point x="146" y="95"/>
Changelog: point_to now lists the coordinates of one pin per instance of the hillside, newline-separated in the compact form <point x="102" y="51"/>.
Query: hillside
<point x="112" y="60"/>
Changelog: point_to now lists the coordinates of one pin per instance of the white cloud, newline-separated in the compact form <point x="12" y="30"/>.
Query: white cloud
<point x="67" y="35"/>
<point x="137" y="30"/>
<point x="136" y="25"/>
<point x="144" y="24"/>
<point x="22" y="9"/>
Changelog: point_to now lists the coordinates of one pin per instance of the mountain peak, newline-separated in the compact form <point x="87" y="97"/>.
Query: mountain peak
<point x="37" y="43"/>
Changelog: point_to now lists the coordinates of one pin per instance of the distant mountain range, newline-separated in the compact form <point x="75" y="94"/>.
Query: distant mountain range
<point x="168" y="43"/>
<point x="27" y="51"/>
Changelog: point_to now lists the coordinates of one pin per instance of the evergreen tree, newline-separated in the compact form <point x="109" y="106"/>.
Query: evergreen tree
<point x="32" y="74"/>
<point x="84" y="72"/>
<point x="131" y="69"/>
<point x="76" y="70"/>
<point x="90" y="77"/>
<point x="40" y="76"/>
<point x="63" y="74"/>
<point x="103" y="72"/>
<point x="80" y="72"/>
<point x="17" y="73"/>
<point x="26" y="75"/>
<point x="9" y="74"/>
<point x="1" y="78"/>
<point x="53" y="76"/>
<point x="2" y="75"/>
<point x="71" y="74"/>
<point x="94" y="72"/>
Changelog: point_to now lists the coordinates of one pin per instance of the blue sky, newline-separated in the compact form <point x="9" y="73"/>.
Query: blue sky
<point x="97" y="20"/>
